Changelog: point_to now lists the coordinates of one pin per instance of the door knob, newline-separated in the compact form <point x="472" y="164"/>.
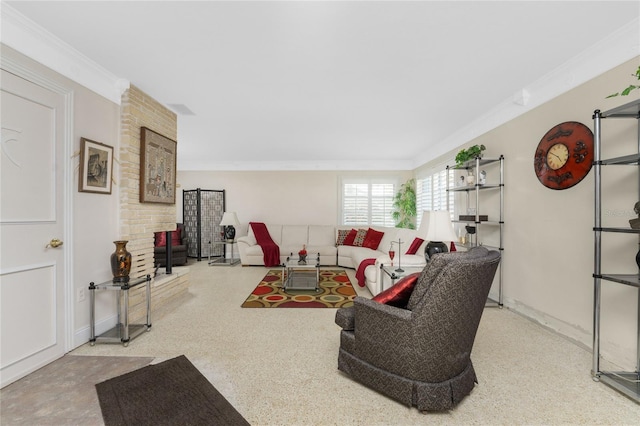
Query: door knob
<point x="54" y="243"/>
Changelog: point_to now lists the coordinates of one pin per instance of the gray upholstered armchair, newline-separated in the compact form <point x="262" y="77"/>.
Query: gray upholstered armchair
<point x="420" y="355"/>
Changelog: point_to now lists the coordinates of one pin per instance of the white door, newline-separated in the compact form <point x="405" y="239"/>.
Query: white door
<point x="32" y="276"/>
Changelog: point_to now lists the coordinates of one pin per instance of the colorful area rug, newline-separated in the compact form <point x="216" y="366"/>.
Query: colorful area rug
<point x="335" y="291"/>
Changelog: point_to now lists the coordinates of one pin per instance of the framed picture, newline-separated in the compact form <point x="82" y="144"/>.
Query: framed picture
<point x="96" y="167"/>
<point x="157" y="168"/>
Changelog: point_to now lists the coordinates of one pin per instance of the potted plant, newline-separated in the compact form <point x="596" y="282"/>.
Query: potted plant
<point x="629" y="89"/>
<point x="469" y="154"/>
<point x="404" y="205"/>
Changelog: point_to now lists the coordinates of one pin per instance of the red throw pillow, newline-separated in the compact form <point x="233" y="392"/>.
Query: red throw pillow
<point x="161" y="239"/>
<point x="415" y="245"/>
<point x="348" y="241"/>
<point x="372" y="239"/>
<point x="398" y="294"/>
<point x="175" y="237"/>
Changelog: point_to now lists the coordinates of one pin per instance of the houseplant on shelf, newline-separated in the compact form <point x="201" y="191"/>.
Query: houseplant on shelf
<point x="469" y="154"/>
<point x="404" y="205"/>
<point x="629" y="89"/>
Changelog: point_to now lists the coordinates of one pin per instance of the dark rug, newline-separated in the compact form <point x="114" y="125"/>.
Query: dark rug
<point x="172" y="392"/>
<point x="335" y="291"/>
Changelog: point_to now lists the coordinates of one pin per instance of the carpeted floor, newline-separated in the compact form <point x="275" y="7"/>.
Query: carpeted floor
<point x="172" y="392"/>
<point x="279" y="367"/>
<point x="335" y="291"/>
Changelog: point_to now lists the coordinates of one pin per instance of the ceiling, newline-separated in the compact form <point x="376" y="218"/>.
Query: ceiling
<point x="329" y="85"/>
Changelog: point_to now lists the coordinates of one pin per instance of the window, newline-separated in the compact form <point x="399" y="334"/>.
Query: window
<point x="367" y="202"/>
<point x="431" y="193"/>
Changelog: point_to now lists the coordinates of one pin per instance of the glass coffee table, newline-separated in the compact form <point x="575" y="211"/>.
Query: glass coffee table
<point x="301" y="274"/>
<point x="392" y="272"/>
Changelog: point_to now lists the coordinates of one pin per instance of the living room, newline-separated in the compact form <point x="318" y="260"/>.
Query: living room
<point x="548" y="256"/>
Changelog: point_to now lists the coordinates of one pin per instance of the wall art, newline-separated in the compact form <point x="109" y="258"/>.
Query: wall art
<point x="96" y="167"/>
<point x="157" y="168"/>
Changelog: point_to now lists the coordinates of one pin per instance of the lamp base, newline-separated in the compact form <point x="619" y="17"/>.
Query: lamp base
<point x="434" y="247"/>
<point x="229" y="232"/>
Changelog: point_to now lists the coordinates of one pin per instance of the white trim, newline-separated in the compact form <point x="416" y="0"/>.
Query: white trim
<point x="279" y="166"/>
<point x="27" y="37"/>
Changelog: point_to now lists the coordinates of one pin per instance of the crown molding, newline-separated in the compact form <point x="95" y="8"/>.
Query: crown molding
<point x="619" y="47"/>
<point x="30" y="39"/>
<point x="284" y="166"/>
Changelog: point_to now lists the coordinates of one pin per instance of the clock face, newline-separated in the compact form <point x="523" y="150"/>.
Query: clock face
<point x="564" y="155"/>
<point x="557" y="156"/>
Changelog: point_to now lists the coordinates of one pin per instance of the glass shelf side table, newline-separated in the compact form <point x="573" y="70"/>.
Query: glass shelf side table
<point x="223" y="260"/>
<point x="123" y="332"/>
<point x="393" y="273"/>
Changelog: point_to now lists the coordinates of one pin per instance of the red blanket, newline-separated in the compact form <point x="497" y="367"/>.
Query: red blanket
<point x="270" y="249"/>
<point x="360" y="272"/>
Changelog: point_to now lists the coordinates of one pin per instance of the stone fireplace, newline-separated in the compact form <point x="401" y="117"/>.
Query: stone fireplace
<point x="139" y="221"/>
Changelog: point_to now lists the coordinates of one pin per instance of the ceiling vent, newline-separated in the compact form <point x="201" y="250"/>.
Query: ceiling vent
<point x="181" y="109"/>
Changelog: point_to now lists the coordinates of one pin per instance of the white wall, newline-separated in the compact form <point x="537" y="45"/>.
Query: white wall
<point x="290" y="198"/>
<point x="548" y="256"/>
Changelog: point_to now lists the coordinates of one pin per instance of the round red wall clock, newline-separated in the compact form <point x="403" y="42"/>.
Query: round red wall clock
<point x="564" y="155"/>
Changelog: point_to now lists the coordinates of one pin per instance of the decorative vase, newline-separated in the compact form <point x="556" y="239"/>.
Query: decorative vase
<point x="121" y="262"/>
<point x="638" y="258"/>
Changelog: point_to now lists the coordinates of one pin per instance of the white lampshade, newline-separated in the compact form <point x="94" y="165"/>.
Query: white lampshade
<point x="437" y="226"/>
<point x="230" y="219"/>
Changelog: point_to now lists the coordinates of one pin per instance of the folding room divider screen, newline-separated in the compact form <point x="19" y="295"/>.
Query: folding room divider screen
<point x="202" y="211"/>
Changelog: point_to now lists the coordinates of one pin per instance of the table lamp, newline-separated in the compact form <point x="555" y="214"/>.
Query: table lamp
<point x="436" y="228"/>
<point x="229" y="221"/>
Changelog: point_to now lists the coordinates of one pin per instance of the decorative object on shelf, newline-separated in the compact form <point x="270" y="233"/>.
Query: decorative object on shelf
<point x="404" y="205"/>
<point x="471" y="231"/>
<point x="462" y="181"/>
<point x="436" y="228"/>
<point x="471" y="177"/>
<point x="629" y="89"/>
<point x="302" y="255"/>
<point x="482" y="179"/>
<point x="121" y="262"/>
<point x="230" y="221"/>
<point x="157" y="168"/>
<point x="635" y="223"/>
<point x="470" y="153"/>
<point x="96" y="167"/>
<point x="564" y="155"/>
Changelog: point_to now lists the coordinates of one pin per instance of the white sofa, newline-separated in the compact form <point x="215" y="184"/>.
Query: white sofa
<point x="351" y="256"/>
<point x="290" y="239"/>
<point x="322" y="239"/>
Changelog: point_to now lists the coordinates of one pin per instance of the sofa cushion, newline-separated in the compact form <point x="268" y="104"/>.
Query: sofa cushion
<point x="294" y="236"/>
<point x="350" y="238"/>
<point x="361" y="234"/>
<point x="398" y="295"/>
<point x="321" y="236"/>
<point x="372" y="239"/>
